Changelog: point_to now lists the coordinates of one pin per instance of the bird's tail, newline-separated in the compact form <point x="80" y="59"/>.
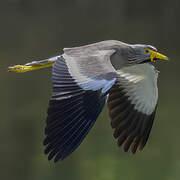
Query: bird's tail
<point x="33" y="65"/>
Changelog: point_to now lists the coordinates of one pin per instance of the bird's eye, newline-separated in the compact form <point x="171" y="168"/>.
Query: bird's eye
<point x="146" y="51"/>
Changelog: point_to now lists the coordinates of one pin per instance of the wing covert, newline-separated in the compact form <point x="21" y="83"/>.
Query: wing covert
<point x="76" y="102"/>
<point x="132" y="105"/>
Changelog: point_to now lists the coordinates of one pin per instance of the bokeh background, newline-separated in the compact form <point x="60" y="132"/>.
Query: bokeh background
<point x="37" y="29"/>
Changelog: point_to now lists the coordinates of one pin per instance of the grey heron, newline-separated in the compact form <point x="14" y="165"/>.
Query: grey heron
<point x="85" y="78"/>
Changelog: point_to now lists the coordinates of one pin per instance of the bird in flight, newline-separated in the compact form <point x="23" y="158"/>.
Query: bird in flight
<point x="84" y="79"/>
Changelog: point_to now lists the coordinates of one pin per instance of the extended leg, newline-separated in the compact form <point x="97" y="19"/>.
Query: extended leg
<point x="33" y="65"/>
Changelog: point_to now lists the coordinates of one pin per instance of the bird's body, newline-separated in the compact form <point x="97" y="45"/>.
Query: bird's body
<point x="85" y="78"/>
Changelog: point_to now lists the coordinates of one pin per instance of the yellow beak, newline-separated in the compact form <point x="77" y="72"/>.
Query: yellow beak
<point x="157" y="56"/>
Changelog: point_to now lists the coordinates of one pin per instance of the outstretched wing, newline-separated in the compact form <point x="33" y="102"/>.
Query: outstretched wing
<point x="80" y="86"/>
<point x="132" y="105"/>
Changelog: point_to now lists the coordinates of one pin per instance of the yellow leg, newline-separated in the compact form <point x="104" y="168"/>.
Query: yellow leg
<point x="26" y="68"/>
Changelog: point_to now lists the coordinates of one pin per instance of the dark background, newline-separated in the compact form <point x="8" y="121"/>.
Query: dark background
<point x="37" y="29"/>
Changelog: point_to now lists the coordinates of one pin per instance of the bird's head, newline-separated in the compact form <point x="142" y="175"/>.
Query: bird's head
<point x="145" y="53"/>
<point x="128" y="54"/>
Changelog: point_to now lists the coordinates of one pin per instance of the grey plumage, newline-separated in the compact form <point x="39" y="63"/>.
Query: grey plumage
<point x="83" y="77"/>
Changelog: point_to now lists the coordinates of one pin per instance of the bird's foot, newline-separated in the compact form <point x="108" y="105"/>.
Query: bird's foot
<point x="20" y="68"/>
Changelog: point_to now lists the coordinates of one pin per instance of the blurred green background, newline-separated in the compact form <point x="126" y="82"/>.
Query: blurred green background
<point x="37" y="29"/>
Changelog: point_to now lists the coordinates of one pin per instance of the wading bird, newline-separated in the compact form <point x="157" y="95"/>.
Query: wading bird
<point x="85" y="78"/>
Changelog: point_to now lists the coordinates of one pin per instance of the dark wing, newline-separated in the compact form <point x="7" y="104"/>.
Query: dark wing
<point x="77" y="100"/>
<point x="132" y="105"/>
